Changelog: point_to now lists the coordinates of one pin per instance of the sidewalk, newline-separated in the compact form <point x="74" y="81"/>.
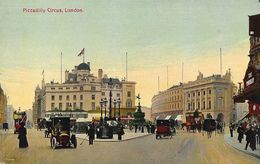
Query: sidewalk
<point x="10" y="131"/>
<point x="241" y="146"/>
<point x="129" y="135"/>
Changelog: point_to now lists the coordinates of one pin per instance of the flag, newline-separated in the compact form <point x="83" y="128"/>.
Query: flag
<point x="82" y="52"/>
<point x="254" y="25"/>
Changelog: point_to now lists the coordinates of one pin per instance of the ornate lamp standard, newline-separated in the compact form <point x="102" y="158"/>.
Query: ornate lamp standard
<point x="105" y="105"/>
<point x="70" y="108"/>
<point x="119" y="102"/>
<point x="114" y="102"/>
<point x="110" y="97"/>
<point x="101" y="112"/>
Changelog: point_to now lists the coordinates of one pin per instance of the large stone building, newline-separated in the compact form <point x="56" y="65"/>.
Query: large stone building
<point x="206" y="94"/>
<point x="3" y="106"/>
<point x="168" y="102"/>
<point x="82" y="91"/>
<point x="211" y="94"/>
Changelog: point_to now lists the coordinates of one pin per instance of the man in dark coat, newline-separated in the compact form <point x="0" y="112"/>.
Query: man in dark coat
<point x="249" y="135"/>
<point x="231" y="128"/>
<point x="253" y="139"/>
<point x="240" y="132"/>
<point x="91" y="134"/>
<point x="22" y="136"/>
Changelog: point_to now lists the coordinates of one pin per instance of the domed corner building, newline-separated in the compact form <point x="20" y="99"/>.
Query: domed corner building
<point x="251" y="82"/>
<point x="81" y="92"/>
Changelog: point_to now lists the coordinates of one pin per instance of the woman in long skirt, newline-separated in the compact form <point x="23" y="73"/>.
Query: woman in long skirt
<point x="22" y="136"/>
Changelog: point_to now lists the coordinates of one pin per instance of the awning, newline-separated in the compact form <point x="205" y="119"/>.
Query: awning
<point x="247" y="114"/>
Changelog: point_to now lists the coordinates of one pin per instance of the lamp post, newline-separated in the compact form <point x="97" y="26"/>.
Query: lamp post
<point x="110" y="97"/>
<point x="105" y="105"/>
<point x="101" y="112"/>
<point x="119" y="102"/>
<point x="70" y="108"/>
<point x="114" y="102"/>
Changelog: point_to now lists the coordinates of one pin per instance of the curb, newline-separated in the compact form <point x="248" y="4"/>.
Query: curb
<point x="249" y="153"/>
<point x="118" y="140"/>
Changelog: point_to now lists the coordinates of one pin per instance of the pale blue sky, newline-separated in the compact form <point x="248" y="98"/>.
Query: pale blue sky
<point x="154" y="33"/>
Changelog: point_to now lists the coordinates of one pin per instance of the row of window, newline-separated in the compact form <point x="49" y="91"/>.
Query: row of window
<point x="174" y="105"/>
<point x="93" y="97"/>
<point x="104" y="94"/>
<point x="72" y="106"/>
<point x="198" y="93"/>
<point x="93" y="88"/>
<point x="191" y="106"/>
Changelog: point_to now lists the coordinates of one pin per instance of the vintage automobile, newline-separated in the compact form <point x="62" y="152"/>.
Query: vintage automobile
<point x="164" y="128"/>
<point x="61" y="135"/>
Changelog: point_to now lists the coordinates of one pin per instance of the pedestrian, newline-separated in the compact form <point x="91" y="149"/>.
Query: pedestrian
<point x="135" y="128"/>
<point x="249" y="134"/>
<point x="152" y="128"/>
<point x="240" y="132"/>
<point x="253" y="139"/>
<point x="23" y="143"/>
<point x="148" y="128"/>
<point x="258" y="134"/>
<point x="120" y="132"/>
<point x="91" y="134"/>
<point x="231" y="128"/>
<point x="142" y="129"/>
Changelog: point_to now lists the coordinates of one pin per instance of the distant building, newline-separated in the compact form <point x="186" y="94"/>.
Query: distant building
<point x="9" y="116"/>
<point x="168" y="102"/>
<point x="212" y="95"/>
<point x="206" y="94"/>
<point x="82" y="92"/>
<point x="3" y="106"/>
<point x="148" y="113"/>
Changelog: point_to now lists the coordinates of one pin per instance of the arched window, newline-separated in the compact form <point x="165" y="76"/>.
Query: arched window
<point x="128" y="103"/>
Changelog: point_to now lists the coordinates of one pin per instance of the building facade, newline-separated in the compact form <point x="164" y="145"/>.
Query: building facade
<point x="212" y="95"/>
<point x="168" y="102"/>
<point x="3" y="106"/>
<point x="82" y="91"/>
<point x="206" y="94"/>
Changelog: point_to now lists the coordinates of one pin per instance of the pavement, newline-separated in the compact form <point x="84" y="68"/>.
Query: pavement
<point x="129" y="135"/>
<point x="10" y="131"/>
<point x="233" y="141"/>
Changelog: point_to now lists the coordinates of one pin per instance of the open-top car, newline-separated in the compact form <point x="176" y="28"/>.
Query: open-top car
<point x="61" y="135"/>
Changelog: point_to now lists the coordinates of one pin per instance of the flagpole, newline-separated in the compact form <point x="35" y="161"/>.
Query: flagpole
<point x="61" y="68"/>
<point x="126" y="66"/>
<point x="84" y="57"/>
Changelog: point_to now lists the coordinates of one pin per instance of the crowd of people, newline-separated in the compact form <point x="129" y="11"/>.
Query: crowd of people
<point x="251" y="133"/>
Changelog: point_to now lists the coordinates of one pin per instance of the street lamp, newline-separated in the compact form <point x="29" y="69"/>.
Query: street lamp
<point x="119" y="102"/>
<point x="101" y="113"/>
<point x="110" y="97"/>
<point x="105" y="105"/>
<point x="70" y="108"/>
<point x="114" y="102"/>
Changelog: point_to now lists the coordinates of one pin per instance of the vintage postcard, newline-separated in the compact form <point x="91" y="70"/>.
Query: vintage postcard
<point x="130" y="81"/>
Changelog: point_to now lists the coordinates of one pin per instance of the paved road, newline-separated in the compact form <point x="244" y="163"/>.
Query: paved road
<point x="184" y="148"/>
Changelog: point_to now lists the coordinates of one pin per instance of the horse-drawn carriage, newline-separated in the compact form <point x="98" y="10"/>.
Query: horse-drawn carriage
<point x="164" y="128"/>
<point x="61" y="133"/>
<point x="194" y="121"/>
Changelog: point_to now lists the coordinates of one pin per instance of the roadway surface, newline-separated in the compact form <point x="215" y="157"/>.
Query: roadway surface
<point x="183" y="148"/>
